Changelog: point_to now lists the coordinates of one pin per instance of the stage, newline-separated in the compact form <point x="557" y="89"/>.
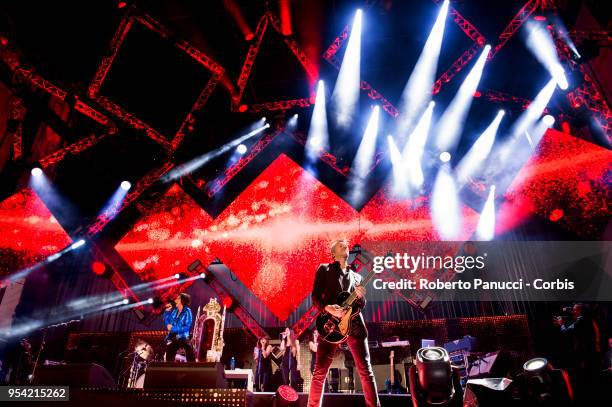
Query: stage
<point x="100" y="397"/>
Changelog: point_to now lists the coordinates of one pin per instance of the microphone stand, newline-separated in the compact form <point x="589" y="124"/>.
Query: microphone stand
<point x="42" y="343"/>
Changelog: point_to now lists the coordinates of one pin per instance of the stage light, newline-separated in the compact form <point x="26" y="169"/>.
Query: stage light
<point x="535" y="365"/>
<point x="453" y="119"/>
<point x="202" y="275"/>
<point x="125" y="301"/>
<point x="445" y="156"/>
<point x="77" y="244"/>
<point x="192" y="165"/>
<point x="542" y="46"/>
<point x="243" y="108"/>
<point x="485" y="230"/>
<point x="412" y="154"/>
<point x="445" y="208"/>
<point x="150" y="300"/>
<point x="292" y="122"/>
<point x="346" y="91"/>
<point x="228" y="302"/>
<point x="177" y="276"/>
<point x="98" y="268"/>
<point x="234" y="10"/>
<point x="417" y="91"/>
<point x="548" y="120"/>
<point x="36" y="172"/>
<point x="478" y="153"/>
<point x="367" y="148"/>
<point x="318" y="136"/>
<point x="535" y="109"/>
<point x="126" y="185"/>
<point x="241" y="149"/>
<point x="433" y="381"/>
<point x="546" y="385"/>
<point x="285" y="17"/>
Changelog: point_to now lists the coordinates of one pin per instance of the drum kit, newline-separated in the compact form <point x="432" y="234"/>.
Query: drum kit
<point x="142" y="354"/>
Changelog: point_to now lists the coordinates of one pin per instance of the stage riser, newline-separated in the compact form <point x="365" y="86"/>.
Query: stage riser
<point x="80" y="398"/>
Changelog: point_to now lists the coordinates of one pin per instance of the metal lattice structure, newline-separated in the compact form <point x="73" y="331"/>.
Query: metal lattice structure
<point x="216" y="70"/>
<point x="270" y="20"/>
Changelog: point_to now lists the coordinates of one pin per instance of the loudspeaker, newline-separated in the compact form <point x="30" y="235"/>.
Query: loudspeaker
<point x="186" y="375"/>
<point x="73" y="375"/>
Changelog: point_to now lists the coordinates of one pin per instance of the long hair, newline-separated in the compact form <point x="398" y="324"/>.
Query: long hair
<point x="185" y="299"/>
<point x="259" y="345"/>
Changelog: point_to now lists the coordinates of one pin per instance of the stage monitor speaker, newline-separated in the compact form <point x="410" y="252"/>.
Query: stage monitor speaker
<point x="73" y="375"/>
<point x="185" y="375"/>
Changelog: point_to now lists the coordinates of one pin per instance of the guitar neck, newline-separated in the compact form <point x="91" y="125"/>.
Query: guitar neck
<point x="353" y="297"/>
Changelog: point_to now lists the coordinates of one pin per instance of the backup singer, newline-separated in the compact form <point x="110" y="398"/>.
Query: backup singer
<point x="263" y="361"/>
<point x="290" y="346"/>
<point x="177" y="321"/>
<point x="330" y="280"/>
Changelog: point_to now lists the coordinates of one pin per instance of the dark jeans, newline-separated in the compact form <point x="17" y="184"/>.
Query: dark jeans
<point x="289" y="369"/>
<point x="358" y="344"/>
<point x="264" y="383"/>
<point x="175" y="345"/>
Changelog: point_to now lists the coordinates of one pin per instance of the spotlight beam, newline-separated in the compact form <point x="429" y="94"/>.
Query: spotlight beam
<point x="452" y="121"/>
<point x="485" y="230"/>
<point x="415" y="147"/>
<point x="417" y="91"/>
<point x="190" y="166"/>
<point x="542" y="46"/>
<point x="445" y="208"/>
<point x="318" y="135"/>
<point x="479" y="152"/>
<point x="346" y="91"/>
<point x="367" y="148"/>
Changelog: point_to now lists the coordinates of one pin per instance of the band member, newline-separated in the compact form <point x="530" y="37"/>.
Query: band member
<point x="263" y="361"/>
<point x="290" y="346"/>
<point x="178" y="321"/>
<point x="330" y="280"/>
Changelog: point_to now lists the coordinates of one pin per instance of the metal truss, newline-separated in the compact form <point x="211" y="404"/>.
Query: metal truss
<point x="588" y="93"/>
<point x="214" y="186"/>
<point x="104" y="218"/>
<point x="16" y="115"/>
<point x="18" y="110"/>
<point x="598" y="36"/>
<point x="497" y="96"/>
<point x="241" y="313"/>
<point x="330" y="56"/>
<point x="118" y="281"/>
<point x="208" y="63"/>
<point x="456" y="67"/>
<point x="269" y="19"/>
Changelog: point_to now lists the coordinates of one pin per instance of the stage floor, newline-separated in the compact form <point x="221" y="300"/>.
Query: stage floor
<point x="173" y="397"/>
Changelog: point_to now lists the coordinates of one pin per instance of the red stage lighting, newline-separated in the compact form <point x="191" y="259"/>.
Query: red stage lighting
<point x="556" y="214"/>
<point x="285" y="16"/>
<point x="477" y="94"/>
<point x="286" y="396"/>
<point x="228" y="302"/>
<point x="232" y="8"/>
<point x="243" y="108"/>
<point x="121" y="4"/>
<point x="539" y="18"/>
<point x="98" y="268"/>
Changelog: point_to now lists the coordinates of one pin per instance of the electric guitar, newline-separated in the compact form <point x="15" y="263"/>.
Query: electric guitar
<point x="336" y="330"/>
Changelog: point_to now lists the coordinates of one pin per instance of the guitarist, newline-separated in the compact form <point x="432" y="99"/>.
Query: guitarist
<point x="177" y="321"/>
<point x="330" y="280"/>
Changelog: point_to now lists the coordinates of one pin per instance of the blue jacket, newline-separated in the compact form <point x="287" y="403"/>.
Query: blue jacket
<point x="181" y="323"/>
